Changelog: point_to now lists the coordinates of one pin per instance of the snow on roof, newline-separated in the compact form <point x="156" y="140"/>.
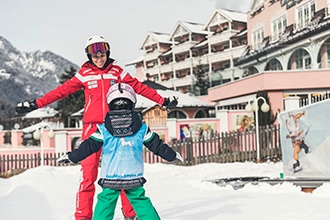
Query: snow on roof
<point x="161" y="37"/>
<point x="184" y="100"/>
<point x="35" y="127"/>
<point x="156" y="38"/>
<point x="193" y="27"/>
<point x="233" y="15"/>
<point x="78" y="113"/>
<point x="244" y="32"/>
<point x="229" y="15"/>
<point x="167" y="53"/>
<point x="203" y="43"/>
<point x="137" y="60"/>
<point x="42" y="113"/>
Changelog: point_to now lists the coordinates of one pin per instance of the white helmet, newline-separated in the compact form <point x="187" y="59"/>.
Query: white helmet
<point x="95" y="39"/>
<point x="97" y="43"/>
<point x="121" y="96"/>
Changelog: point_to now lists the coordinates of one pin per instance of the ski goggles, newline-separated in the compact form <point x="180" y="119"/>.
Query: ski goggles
<point x="97" y="47"/>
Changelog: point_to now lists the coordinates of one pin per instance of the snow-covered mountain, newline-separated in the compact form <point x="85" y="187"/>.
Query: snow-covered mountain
<point x="27" y="75"/>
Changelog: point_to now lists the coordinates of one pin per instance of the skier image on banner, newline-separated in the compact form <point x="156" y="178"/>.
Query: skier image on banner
<point x="297" y="134"/>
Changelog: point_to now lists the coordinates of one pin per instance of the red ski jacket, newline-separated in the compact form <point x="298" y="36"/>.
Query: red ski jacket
<point x="96" y="83"/>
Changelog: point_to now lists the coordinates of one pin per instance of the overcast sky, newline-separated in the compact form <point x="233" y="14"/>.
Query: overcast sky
<point x="62" y="26"/>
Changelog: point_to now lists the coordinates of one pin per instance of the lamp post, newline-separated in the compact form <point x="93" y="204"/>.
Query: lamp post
<point x="16" y="126"/>
<point x="38" y="135"/>
<point x="254" y="107"/>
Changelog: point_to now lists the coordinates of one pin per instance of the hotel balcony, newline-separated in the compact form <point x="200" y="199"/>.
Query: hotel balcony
<point x="229" y="53"/>
<point x="232" y="73"/>
<point x="165" y="68"/>
<point x="178" y="82"/>
<point x="227" y="75"/>
<point x="153" y="70"/>
<point x="184" y="64"/>
<point x="202" y="60"/>
<point x="152" y="56"/>
<point x="184" y="47"/>
<point x="222" y="37"/>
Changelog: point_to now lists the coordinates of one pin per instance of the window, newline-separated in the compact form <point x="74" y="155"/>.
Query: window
<point x="149" y="49"/>
<point x="278" y="27"/>
<point x="226" y="46"/>
<point x="327" y="44"/>
<point x="304" y="14"/>
<point x="273" y="64"/>
<point x="200" y="114"/>
<point x="250" y="71"/>
<point x="150" y="64"/>
<point x="225" y="65"/>
<point x="176" y="114"/>
<point x="257" y="38"/>
<point x="157" y="113"/>
<point x="302" y="60"/>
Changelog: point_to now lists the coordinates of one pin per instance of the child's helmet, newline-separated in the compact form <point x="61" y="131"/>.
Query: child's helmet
<point x="121" y="96"/>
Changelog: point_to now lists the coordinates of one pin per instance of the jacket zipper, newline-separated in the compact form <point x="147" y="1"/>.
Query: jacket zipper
<point x="89" y="102"/>
<point x="103" y="97"/>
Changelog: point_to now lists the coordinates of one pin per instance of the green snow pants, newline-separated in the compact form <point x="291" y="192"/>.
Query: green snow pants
<point x="107" y="201"/>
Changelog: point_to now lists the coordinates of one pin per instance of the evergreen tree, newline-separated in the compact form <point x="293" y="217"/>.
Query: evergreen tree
<point x="6" y="112"/>
<point x="202" y="81"/>
<point x="72" y="103"/>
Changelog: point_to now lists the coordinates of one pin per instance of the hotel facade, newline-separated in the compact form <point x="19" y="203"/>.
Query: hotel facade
<point x="279" y="47"/>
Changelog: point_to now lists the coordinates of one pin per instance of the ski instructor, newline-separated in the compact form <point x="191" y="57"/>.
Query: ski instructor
<point x="95" y="76"/>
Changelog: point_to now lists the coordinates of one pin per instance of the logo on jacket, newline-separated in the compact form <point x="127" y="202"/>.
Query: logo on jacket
<point x="112" y="82"/>
<point x="125" y="143"/>
<point x="92" y="84"/>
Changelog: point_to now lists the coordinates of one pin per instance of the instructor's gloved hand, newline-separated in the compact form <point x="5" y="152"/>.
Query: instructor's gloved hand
<point x="171" y="101"/>
<point x="178" y="156"/>
<point x="64" y="159"/>
<point x="26" y="106"/>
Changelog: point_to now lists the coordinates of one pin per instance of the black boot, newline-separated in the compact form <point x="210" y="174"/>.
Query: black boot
<point x="296" y="165"/>
<point x="305" y="147"/>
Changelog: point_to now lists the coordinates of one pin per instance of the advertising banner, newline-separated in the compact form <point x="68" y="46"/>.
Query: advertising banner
<point x="305" y="141"/>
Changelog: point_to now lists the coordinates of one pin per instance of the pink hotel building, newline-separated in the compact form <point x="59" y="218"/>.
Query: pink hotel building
<point x="281" y="47"/>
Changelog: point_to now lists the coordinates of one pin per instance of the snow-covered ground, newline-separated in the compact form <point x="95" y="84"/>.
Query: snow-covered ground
<point x="178" y="193"/>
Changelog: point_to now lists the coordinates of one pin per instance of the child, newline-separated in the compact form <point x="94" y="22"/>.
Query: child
<point x="122" y="136"/>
